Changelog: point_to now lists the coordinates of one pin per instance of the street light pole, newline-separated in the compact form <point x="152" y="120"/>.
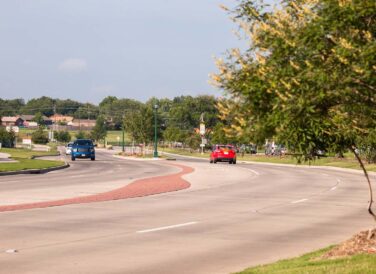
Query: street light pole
<point x="155" y="132"/>
<point x="122" y="147"/>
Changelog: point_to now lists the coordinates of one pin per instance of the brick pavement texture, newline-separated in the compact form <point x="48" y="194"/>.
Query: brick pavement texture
<point x="139" y="188"/>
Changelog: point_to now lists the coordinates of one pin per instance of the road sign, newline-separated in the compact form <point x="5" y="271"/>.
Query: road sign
<point x="202" y="129"/>
<point x="202" y="145"/>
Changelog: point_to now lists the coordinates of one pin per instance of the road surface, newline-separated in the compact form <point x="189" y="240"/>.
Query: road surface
<point x="231" y="217"/>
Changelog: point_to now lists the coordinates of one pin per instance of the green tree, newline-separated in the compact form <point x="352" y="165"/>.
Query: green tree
<point x="308" y="76"/>
<point x="81" y="135"/>
<point x="38" y="117"/>
<point x="62" y="136"/>
<point x="39" y="136"/>
<point x="7" y="139"/>
<point x="99" y="132"/>
<point x="140" y="124"/>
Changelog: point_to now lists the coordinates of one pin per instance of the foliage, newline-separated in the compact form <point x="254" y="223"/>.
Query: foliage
<point x="367" y="147"/>
<point x="39" y="118"/>
<point x="193" y="141"/>
<point x="308" y="75"/>
<point x="39" y="136"/>
<point x="140" y="124"/>
<point x="99" y="131"/>
<point x="10" y="107"/>
<point x="62" y="136"/>
<point x="81" y="135"/>
<point x="7" y="138"/>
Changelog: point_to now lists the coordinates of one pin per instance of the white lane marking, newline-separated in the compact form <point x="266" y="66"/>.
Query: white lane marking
<point x="299" y="201"/>
<point x="78" y="176"/>
<point x="166" y="227"/>
<point x="338" y="180"/>
<point x="333" y="188"/>
<point x="251" y="170"/>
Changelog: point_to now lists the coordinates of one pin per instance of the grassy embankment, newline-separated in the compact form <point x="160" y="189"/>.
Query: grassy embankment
<point x="113" y="136"/>
<point x="25" y="161"/>
<point x="347" y="162"/>
<point x="311" y="263"/>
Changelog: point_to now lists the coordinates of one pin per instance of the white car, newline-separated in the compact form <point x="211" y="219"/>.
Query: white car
<point x="68" y="149"/>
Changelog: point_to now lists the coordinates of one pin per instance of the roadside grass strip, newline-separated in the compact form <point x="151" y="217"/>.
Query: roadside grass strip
<point x="347" y="162"/>
<point x="24" y="160"/>
<point x="139" y="188"/>
<point x="312" y="263"/>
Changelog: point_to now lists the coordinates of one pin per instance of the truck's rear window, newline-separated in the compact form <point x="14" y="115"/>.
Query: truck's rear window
<point x="83" y="143"/>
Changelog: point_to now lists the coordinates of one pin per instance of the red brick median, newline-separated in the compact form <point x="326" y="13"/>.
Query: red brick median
<point x="138" y="188"/>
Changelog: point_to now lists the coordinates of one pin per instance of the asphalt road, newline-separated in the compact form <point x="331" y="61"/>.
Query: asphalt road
<point x="232" y="216"/>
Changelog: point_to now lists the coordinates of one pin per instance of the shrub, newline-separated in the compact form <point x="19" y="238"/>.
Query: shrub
<point x="39" y="137"/>
<point x="7" y="138"/>
<point x="62" y="136"/>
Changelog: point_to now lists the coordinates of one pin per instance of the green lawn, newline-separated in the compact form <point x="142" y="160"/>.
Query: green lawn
<point x="24" y="161"/>
<point x="312" y="264"/>
<point x="347" y="162"/>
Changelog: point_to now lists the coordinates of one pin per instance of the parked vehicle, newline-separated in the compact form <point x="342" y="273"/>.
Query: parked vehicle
<point x="68" y="148"/>
<point x="223" y="153"/>
<point x="83" y="148"/>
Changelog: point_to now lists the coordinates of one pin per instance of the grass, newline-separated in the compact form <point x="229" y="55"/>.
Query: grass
<point x="347" y="162"/>
<point x="25" y="161"/>
<point x="112" y="135"/>
<point x="311" y="264"/>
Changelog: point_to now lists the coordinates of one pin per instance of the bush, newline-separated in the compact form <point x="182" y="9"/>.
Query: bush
<point x="39" y="137"/>
<point x="7" y="138"/>
<point x="62" y="136"/>
<point x="367" y="147"/>
<point x="81" y="135"/>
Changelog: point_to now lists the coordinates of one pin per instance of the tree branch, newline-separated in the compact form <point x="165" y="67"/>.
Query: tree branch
<point x="368" y="180"/>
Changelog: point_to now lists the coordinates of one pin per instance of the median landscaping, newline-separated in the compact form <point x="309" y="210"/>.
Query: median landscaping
<point x="24" y="159"/>
<point x="348" y="161"/>
<point x="356" y="255"/>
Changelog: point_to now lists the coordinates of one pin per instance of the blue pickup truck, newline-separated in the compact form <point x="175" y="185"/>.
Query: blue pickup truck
<point x="83" y="148"/>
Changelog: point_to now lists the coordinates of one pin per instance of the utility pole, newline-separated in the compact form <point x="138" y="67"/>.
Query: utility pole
<point x="123" y="133"/>
<point x="155" y="132"/>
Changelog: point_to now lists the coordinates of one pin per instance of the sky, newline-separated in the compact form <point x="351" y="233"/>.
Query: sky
<point x="86" y="50"/>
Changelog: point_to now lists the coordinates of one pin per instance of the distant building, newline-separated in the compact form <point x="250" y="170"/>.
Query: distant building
<point x="83" y="123"/>
<point x="12" y="121"/>
<point x="58" y="118"/>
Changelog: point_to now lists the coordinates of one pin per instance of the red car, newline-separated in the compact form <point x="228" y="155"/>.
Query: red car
<point x="223" y="153"/>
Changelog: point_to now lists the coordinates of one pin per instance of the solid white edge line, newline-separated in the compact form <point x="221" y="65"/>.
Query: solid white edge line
<point x="299" y="201"/>
<point x="166" y="227"/>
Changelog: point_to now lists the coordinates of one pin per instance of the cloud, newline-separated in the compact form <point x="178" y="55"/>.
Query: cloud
<point x="73" y="65"/>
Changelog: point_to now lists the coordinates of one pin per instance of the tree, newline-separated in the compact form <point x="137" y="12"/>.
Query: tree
<point x="81" y="135"/>
<point x="39" y="136"/>
<point x="38" y="117"/>
<point x="99" y="132"/>
<point x="308" y="76"/>
<point x="62" y="136"/>
<point x="7" y="139"/>
<point x="140" y="124"/>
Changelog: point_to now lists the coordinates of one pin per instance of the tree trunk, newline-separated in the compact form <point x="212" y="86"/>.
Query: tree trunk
<point x="368" y="180"/>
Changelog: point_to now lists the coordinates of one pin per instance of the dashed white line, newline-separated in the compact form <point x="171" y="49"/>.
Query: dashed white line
<point x="299" y="201"/>
<point x="166" y="227"/>
<point x="333" y="188"/>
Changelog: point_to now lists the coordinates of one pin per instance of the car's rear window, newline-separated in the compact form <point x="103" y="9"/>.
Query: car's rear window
<point x="83" y="142"/>
<point x="226" y="147"/>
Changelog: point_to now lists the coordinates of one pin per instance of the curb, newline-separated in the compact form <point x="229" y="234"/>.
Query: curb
<point x="349" y="170"/>
<point x="34" y="171"/>
<point x="136" y="159"/>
